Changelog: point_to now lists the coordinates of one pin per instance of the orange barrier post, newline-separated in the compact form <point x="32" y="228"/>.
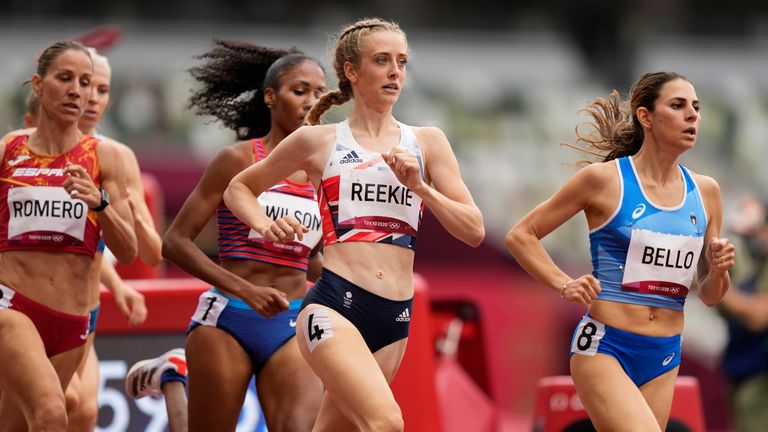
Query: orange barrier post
<point x="170" y="302"/>
<point x="687" y="407"/>
<point x="414" y="385"/>
<point x="153" y="195"/>
<point x="465" y="407"/>
<point x="558" y="407"/>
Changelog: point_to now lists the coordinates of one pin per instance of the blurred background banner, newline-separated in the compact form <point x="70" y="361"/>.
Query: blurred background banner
<point x="505" y="87"/>
<point x="504" y="80"/>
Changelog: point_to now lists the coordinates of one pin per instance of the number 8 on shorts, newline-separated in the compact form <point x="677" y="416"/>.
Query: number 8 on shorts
<point x="586" y="338"/>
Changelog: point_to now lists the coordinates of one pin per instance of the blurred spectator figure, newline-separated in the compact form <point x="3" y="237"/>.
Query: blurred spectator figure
<point x="745" y="362"/>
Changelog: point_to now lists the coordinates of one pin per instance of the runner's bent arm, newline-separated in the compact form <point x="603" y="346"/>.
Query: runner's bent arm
<point x="713" y="272"/>
<point x="200" y="205"/>
<point x="115" y="220"/>
<point x="450" y="200"/>
<point x="524" y="239"/>
<point x="298" y="151"/>
<point x="149" y="242"/>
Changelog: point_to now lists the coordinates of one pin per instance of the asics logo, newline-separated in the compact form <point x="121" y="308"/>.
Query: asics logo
<point x="292" y="323"/>
<point x="668" y="359"/>
<point x="84" y="336"/>
<point x="351" y="157"/>
<point x="639" y="210"/>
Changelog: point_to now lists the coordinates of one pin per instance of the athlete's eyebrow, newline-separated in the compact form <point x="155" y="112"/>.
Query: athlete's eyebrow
<point x="307" y="84"/>
<point x="400" y="54"/>
<point x="682" y="99"/>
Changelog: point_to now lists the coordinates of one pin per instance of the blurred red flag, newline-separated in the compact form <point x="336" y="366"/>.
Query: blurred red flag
<point x="101" y="38"/>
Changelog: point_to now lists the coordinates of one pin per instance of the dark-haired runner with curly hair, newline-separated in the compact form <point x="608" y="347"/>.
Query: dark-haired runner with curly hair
<point x="245" y="325"/>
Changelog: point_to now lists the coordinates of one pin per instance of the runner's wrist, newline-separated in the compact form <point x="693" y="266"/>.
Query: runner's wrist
<point x="422" y="189"/>
<point x="562" y="286"/>
<point x="263" y="226"/>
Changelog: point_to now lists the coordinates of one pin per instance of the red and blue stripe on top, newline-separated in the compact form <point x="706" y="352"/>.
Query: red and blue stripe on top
<point x="237" y="241"/>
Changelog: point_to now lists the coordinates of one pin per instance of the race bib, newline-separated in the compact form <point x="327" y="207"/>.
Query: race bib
<point x="374" y="199"/>
<point x="45" y="215"/>
<point x="662" y="264"/>
<point x="587" y="337"/>
<point x="318" y="328"/>
<point x="277" y="205"/>
<point x="6" y="294"/>
<point x="209" y="308"/>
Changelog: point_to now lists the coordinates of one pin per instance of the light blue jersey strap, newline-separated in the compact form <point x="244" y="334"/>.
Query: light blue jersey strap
<point x="238" y="303"/>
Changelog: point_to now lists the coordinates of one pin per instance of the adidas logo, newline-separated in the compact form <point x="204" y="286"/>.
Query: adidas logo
<point x="405" y="316"/>
<point x="351" y="157"/>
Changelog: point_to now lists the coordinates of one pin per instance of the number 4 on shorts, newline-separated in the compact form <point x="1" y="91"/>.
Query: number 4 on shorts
<point x="318" y="329"/>
<point x="314" y="332"/>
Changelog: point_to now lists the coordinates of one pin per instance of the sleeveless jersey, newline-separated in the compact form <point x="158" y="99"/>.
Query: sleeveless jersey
<point x="36" y="213"/>
<point x="647" y="254"/>
<point x="361" y="199"/>
<point x="238" y="241"/>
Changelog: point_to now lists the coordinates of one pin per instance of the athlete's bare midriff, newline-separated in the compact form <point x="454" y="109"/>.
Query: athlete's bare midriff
<point x="639" y="319"/>
<point x="57" y="280"/>
<point x="383" y="269"/>
<point x="291" y="281"/>
<point x="94" y="281"/>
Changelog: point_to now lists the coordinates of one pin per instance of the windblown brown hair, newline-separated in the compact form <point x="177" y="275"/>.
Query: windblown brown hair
<point x="614" y="130"/>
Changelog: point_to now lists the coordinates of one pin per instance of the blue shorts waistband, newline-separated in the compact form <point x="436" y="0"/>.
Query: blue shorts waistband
<point x="93" y="316"/>
<point x="240" y="304"/>
<point x="638" y="339"/>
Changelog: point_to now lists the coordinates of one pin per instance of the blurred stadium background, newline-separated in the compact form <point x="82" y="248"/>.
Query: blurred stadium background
<point x="505" y="81"/>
